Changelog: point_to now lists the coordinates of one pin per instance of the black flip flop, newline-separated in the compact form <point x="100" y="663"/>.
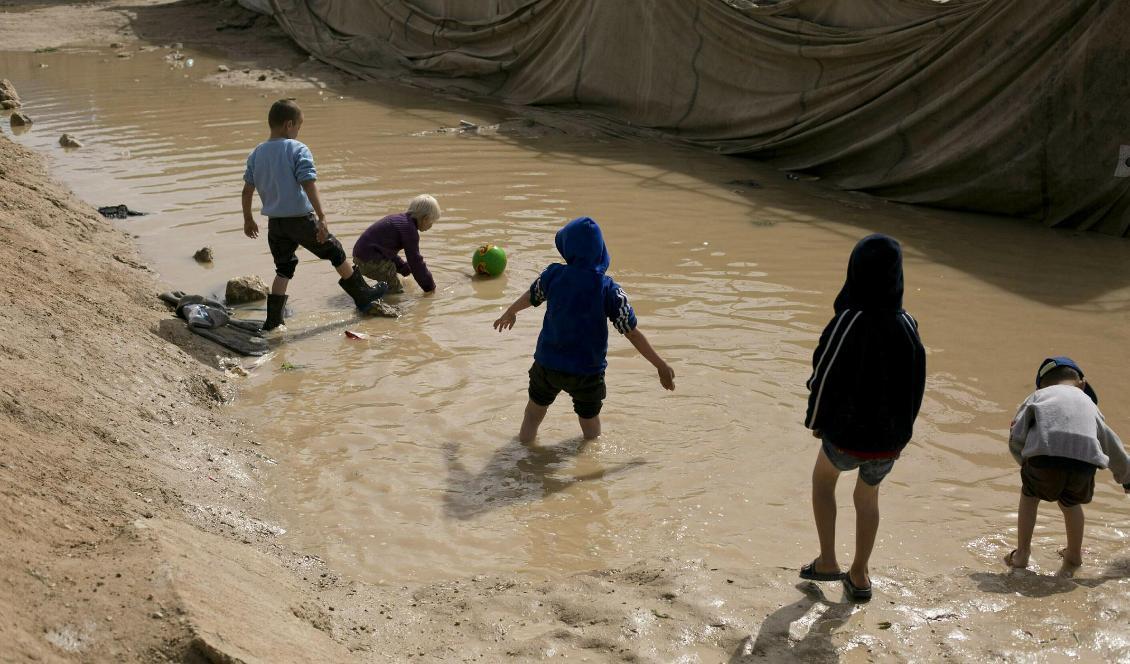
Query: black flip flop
<point x="855" y="593"/>
<point x="809" y="573"/>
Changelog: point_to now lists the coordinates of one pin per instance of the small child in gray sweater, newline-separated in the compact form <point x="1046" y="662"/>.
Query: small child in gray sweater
<point x="1060" y="439"/>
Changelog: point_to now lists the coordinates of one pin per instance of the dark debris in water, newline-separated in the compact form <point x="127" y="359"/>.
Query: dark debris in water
<point x="118" y="212"/>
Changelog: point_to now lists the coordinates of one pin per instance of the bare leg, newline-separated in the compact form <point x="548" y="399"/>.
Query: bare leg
<point x="824" y="477"/>
<point x="590" y="428"/>
<point x="866" y="528"/>
<point x="1073" y="519"/>
<point x="531" y="421"/>
<point x="1025" y="524"/>
<point x="345" y="270"/>
<point x="278" y="286"/>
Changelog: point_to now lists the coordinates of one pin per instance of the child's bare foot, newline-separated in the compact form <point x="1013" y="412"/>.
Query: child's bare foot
<point x="1071" y="564"/>
<point x="1015" y="560"/>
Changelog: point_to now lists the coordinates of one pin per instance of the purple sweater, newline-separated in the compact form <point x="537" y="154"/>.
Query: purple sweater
<point x="385" y="238"/>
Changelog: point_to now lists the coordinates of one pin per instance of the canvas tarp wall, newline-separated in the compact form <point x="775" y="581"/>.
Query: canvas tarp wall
<point x="1016" y="107"/>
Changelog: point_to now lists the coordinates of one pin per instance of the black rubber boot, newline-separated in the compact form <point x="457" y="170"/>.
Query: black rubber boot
<point x="275" y="305"/>
<point x="362" y="293"/>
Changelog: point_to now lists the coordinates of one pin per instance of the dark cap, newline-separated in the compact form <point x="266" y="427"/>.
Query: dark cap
<point x="1061" y="361"/>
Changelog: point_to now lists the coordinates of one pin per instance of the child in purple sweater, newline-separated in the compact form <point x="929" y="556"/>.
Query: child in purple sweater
<point x="377" y="250"/>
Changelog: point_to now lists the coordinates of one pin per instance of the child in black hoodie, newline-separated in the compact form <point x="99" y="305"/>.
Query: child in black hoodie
<point x="868" y="376"/>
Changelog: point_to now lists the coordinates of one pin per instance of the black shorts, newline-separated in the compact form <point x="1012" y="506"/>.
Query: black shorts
<point x="286" y="234"/>
<point x="588" y="392"/>
<point x="1059" y="479"/>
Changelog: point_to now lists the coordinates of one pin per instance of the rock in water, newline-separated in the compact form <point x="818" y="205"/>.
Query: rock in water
<point x="204" y="255"/>
<point x="68" y="141"/>
<point x="245" y="289"/>
<point x="20" y="119"/>
<point x="8" y="94"/>
<point x="8" y="104"/>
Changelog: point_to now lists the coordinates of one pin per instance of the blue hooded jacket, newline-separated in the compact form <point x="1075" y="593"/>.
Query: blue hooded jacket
<point x="574" y="334"/>
<point x="869" y="369"/>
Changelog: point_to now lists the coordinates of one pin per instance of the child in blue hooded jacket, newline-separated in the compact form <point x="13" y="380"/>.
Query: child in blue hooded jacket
<point x="573" y="344"/>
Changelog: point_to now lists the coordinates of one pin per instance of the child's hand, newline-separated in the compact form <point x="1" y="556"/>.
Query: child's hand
<point x="506" y="321"/>
<point x="666" y="377"/>
<point x="250" y="228"/>
<point x="323" y="230"/>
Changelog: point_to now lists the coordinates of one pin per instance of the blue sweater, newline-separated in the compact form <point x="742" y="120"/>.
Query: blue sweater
<point x="580" y="299"/>
<point x="277" y="168"/>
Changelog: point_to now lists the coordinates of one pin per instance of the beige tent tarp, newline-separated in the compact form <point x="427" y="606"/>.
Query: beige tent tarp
<point x="1017" y="107"/>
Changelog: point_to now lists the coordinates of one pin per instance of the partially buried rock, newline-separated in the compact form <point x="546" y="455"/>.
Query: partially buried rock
<point x="8" y="104"/>
<point x="20" y="120"/>
<point x="8" y="94"/>
<point x="223" y="68"/>
<point x="203" y="255"/>
<point x="245" y="289"/>
<point x="68" y="141"/>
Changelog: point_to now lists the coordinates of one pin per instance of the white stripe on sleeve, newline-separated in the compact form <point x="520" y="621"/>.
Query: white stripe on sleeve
<point x="832" y="341"/>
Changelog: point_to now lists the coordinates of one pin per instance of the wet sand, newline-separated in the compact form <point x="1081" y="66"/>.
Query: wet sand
<point x="397" y="462"/>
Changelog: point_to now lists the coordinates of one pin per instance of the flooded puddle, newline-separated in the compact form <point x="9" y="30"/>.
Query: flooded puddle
<point x="397" y="454"/>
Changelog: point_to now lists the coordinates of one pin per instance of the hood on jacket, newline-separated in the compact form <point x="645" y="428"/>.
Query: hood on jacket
<point x="581" y="244"/>
<point x="874" y="276"/>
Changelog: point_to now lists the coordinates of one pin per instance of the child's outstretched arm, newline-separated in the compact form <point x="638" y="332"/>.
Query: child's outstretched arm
<point x="666" y="373"/>
<point x="250" y="228"/>
<point x="1112" y="447"/>
<point x="510" y="316"/>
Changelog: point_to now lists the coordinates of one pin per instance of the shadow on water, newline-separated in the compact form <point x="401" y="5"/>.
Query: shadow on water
<point x="1012" y="254"/>
<point x="799" y="632"/>
<point x="1030" y="584"/>
<point x="516" y="473"/>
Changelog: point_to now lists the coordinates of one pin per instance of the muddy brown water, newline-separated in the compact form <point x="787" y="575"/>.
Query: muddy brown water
<point x="396" y="455"/>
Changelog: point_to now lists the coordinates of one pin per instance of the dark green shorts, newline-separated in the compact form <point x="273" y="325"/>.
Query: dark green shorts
<point x="588" y="392"/>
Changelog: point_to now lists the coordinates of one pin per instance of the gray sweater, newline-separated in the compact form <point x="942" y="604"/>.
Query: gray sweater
<point x="1063" y="421"/>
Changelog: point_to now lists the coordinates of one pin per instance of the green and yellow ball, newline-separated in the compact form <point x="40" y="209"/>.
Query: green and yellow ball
<point x="489" y="260"/>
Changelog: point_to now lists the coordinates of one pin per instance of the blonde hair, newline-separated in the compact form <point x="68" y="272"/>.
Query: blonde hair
<point x="425" y="210"/>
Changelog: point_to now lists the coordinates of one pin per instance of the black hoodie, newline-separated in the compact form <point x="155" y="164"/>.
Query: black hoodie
<point x="869" y="370"/>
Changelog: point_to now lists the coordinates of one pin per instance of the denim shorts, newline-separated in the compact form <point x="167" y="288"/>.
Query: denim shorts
<point x="871" y="471"/>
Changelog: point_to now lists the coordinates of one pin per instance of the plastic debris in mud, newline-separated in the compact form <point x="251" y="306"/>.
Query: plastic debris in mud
<point x="350" y="334"/>
<point x="118" y="212"/>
